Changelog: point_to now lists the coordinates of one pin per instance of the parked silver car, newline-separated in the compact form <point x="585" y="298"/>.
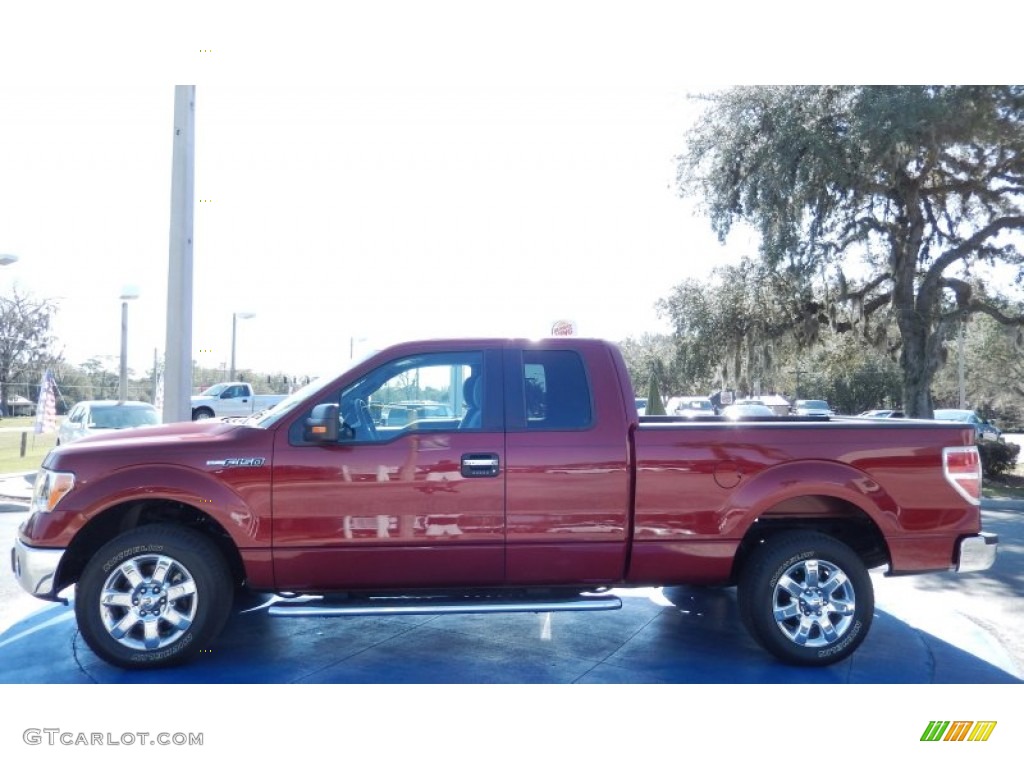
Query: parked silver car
<point x="742" y="409"/>
<point x="94" y="417"/>
<point x="812" y="408"/>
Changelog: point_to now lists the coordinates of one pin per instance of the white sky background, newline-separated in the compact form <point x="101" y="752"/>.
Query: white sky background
<point x="377" y="173"/>
<point x="385" y="204"/>
<point x="333" y="212"/>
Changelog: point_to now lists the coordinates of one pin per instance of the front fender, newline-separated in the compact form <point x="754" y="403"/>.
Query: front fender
<point x="242" y="510"/>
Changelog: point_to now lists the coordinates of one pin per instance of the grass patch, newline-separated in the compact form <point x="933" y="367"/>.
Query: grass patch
<point x="1009" y="486"/>
<point x="36" y="446"/>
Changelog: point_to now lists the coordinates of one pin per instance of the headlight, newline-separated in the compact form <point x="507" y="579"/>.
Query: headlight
<point x="50" y="488"/>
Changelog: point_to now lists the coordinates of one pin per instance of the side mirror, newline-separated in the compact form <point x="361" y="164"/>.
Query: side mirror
<point x="322" y="424"/>
<point x="225" y="395"/>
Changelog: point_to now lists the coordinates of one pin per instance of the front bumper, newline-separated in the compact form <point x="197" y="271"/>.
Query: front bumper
<point x="976" y="553"/>
<point x="35" y="569"/>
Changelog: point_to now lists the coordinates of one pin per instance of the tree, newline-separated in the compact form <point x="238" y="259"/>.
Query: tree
<point x="892" y="199"/>
<point x="736" y="328"/>
<point x="654" y="405"/>
<point x="993" y="368"/>
<point x="653" y="356"/>
<point x="25" y="339"/>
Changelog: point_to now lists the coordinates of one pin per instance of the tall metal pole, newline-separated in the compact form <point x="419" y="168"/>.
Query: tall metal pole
<point x="122" y="390"/>
<point x="960" y="367"/>
<point x="178" y="375"/>
<point x="234" y="334"/>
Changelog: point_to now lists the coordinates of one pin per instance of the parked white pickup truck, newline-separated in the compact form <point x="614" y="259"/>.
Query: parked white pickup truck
<point x="231" y="399"/>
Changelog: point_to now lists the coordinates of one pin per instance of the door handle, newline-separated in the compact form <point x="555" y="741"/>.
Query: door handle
<point x="480" y="465"/>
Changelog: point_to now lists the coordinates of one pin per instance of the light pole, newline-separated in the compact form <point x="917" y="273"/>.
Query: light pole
<point x="5" y="259"/>
<point x="128" y="293"/>
<point x="234" y="335"/>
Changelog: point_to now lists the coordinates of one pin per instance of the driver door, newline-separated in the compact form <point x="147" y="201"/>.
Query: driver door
<point x="412" y="492"/>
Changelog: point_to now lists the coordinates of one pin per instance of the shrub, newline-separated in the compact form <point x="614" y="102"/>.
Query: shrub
<point x="997" y="457"/>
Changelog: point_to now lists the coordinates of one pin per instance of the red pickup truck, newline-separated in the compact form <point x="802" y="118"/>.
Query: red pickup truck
<point x="537" y="488"/>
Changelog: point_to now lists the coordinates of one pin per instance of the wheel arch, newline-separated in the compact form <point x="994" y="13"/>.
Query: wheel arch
<point x="830" y="515"/>
<point x="130" y="515"/>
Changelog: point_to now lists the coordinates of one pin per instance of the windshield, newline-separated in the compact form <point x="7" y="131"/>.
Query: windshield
<point x="213" y="391"/>
<point x="820" y="404"/>
<point x="270" y="417"/>
<point x="122" y="417"/>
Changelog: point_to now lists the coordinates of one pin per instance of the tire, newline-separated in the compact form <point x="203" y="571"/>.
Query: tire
<point x="154" y="596"/>
<point x="806" y="598"/>
<point x="200" y="414"/>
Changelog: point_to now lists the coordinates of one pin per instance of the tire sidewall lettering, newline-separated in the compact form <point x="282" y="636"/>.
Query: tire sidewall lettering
<point x="166" y="653"/>
<point x="848" y="638"/>
<point x="127" y="554"/>
<point x="808" y="555"/>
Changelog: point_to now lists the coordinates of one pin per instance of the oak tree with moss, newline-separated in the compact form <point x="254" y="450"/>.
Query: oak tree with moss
<point x="895" y="199"/>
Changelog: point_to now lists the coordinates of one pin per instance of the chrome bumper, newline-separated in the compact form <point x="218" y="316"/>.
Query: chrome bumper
<point x="35" y="569"/>
<point x="977" y="553"/>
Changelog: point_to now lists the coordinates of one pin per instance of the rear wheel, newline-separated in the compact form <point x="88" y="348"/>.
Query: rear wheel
<point x="153" y="597"/>
<point x="807" y="598"/>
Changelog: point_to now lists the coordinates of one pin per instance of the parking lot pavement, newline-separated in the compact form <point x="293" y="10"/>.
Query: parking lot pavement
<point x="659" y="636"/>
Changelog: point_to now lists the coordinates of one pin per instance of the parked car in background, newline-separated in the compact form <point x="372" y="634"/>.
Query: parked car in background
<point x="812" y="408"/>
<point x="691" y="407"/>
<point x="882" y="413"/>
<point x="231" y="399"/>
<point x="641" y="405"/>
<point x="94" y="417"/>
<point x="742" y="409"/>
<point x="984" y="429"/>
<point x="407" y="411"/>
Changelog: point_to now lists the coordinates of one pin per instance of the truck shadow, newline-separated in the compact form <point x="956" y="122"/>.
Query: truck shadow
<point x="678" y="635"/>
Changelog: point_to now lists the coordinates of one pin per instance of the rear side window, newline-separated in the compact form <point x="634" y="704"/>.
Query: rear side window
<point x="556" y="390"/>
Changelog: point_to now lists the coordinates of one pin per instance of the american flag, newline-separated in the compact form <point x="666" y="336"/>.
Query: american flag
<point x="46" y="408"/>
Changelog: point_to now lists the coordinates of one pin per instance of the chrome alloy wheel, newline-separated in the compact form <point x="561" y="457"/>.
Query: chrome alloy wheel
<point x="148" y="602"/>
<point x="814" y="603"/>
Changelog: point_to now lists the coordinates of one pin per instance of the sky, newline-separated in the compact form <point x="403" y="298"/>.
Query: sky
<point x="365" y="175"/>
<point x="347" y="218"/>
<point x="346" y="213"/>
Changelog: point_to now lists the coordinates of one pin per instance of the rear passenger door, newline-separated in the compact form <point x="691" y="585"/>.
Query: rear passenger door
<point x="567" y="468"/>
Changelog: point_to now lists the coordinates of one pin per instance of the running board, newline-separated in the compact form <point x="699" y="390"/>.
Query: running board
<point x="420" y="606"/>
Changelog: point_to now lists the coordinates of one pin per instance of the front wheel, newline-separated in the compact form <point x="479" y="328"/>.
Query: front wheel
<point x="807" y="598"/>
<point x="202" y="414"/>
<point x="154" y="596"/>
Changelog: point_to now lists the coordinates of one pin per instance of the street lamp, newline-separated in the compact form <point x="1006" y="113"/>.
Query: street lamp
<point x="128" y="293"/>
<point x="234" y="335"/>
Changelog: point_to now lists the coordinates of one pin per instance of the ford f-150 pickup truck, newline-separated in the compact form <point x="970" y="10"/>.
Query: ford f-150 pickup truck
<point x="538" y="488"/>
<point x="231" y="399"/>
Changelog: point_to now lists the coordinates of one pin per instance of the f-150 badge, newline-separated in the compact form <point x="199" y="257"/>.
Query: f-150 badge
<point x="251" y="461"/>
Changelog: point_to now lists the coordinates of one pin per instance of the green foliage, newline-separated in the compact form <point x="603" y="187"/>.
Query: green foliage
<point x="993" y="369"/>
<point x="998" y="458"/>
<point x="655" y="407"/>
<point x="26" y="342"/>
<point x="654" y="356"/>
<point x="882" y="201"/>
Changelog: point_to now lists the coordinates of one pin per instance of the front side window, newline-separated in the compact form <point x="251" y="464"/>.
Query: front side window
<point x="428" y="392"/>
